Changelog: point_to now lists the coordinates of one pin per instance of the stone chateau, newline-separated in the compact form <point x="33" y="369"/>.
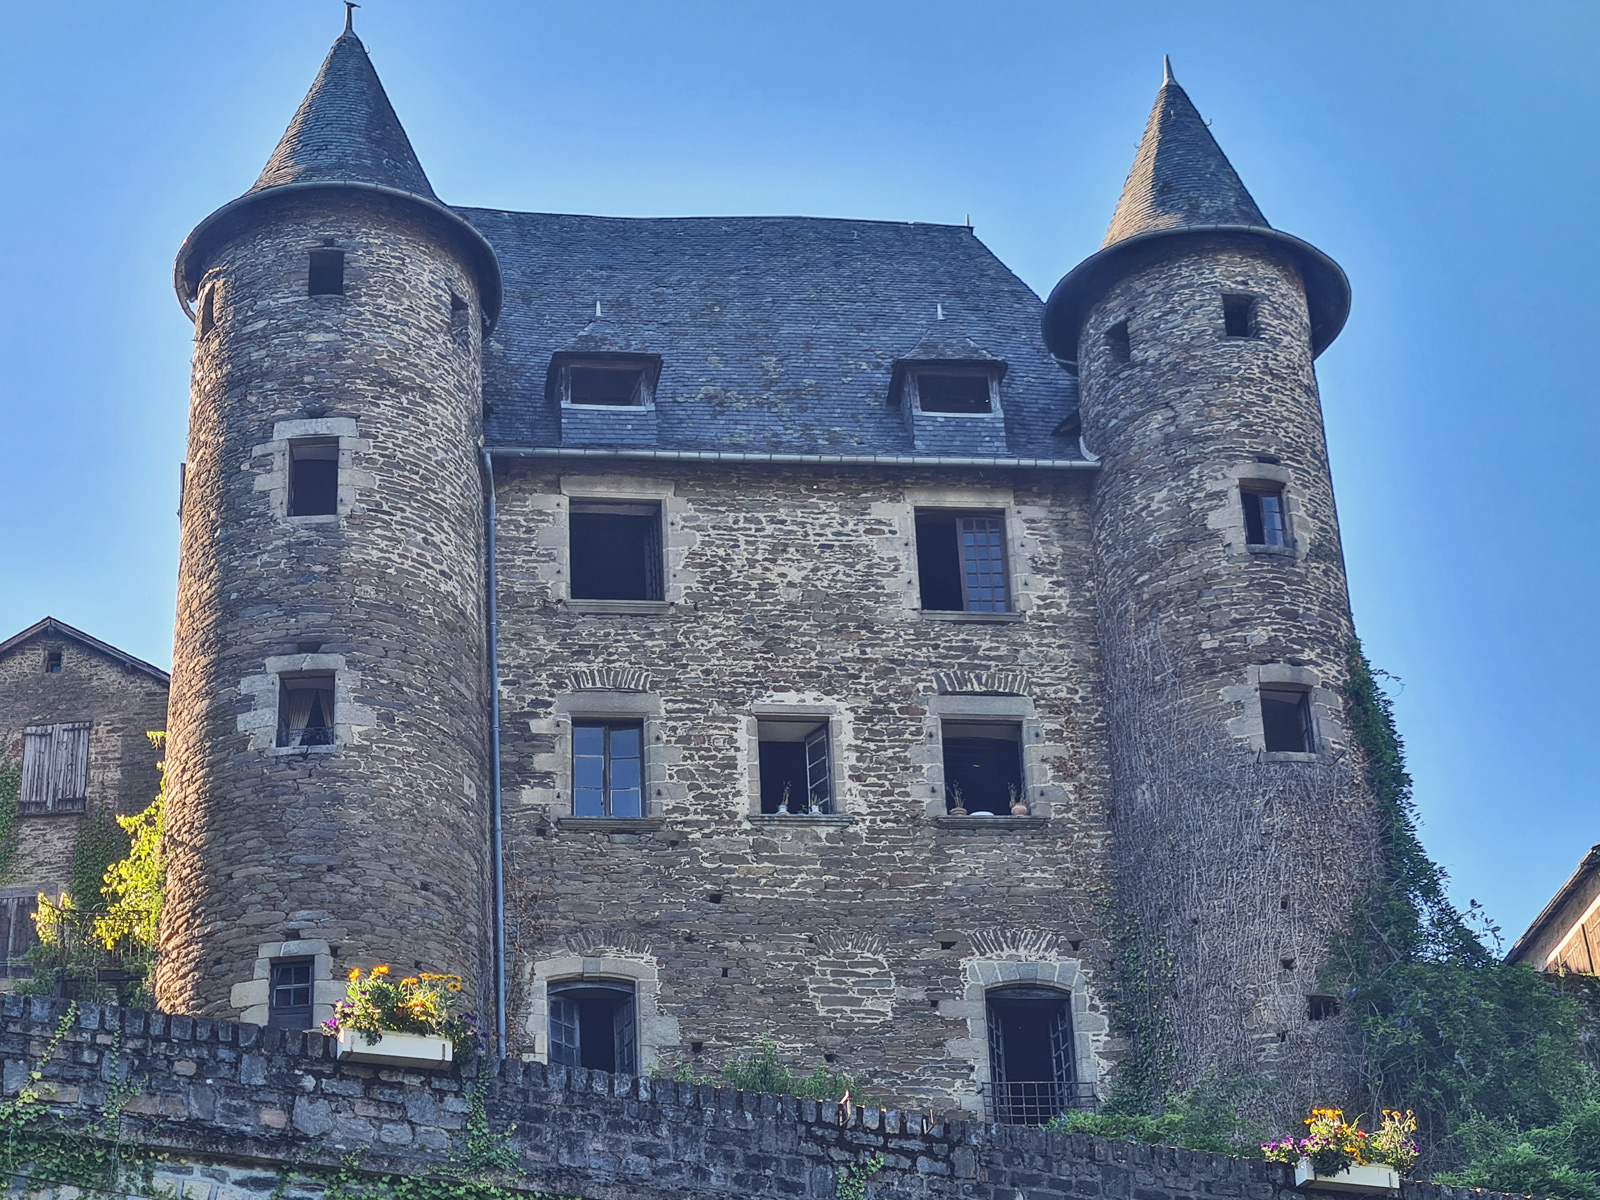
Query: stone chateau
<point x="701" y="629"/>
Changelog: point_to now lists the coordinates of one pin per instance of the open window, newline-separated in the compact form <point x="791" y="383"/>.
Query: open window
<point x="207" y="320"/>
<point x="949" y="391"/>
<point x="1264" y="520"/>
<point x="1031" y="1069"/>
<point x="313" y="477"/>
<point x="55" y="768"/>
<point x="1239" y="316"/>
<point x="593" y="1024"/>
<point x="982" y="767"/>
<point x="1286" y="720"/>
<point x="605" y="380"/>
<point x="608" y="768"/>
<point x="796" y="766"/>
<point x="52" y="662"/>
<point x="305" y="709"/>
<point x="289" y="999"/>
<point x="1118" y="344"/>
<point x="326" y="274"/>
<point x="615" y="551"/>
<point x="961" y="561"/>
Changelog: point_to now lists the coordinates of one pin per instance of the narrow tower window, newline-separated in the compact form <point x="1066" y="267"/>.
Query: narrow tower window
<point x="305" y="709"/>
<point x="326" y="277"/>
<point x="982" y="767"/>
<point x="1031" y="1078"/>
<point x="592" y="1025"/>
<point x="314" y="477"/>
<point x="289" y="1001"/>
<point x="1239" y="316"/>
<point x="796" y="768"/>
<point x="615" y="551"/>
<point x="961" y="561"/>
<point x="1286" y="721"/>
<point x="1117" y="343"/>
<point x="1264" y="523"/>
<point x="208" y="312"/>
<point x="607" y="769"/>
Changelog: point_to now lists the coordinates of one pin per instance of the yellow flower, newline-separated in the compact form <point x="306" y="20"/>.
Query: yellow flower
<point x="409" y="982"/>
<point x="355" y="974"/>
<point x="381" y="969"/>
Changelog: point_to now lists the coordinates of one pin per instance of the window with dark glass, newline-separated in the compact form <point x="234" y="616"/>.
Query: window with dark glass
<point x="593" y="1025"/>
<point x="615" y="551"/>
<point x="314" y="477"/>
<point x="1264" y="523"/>
<point x="961" y="561"/>
<point x="982" y="766"/>
<point x="1118" y="344"/>
<point x="1031" y="1070"/>
<point x="953" y="392"/>
<point x="18" y="935"/>
<point x="289" y="1001"/>
<point x="208" y="312"/>
<point x="795" y="766"/>
<point x="607" y="769"/>
<point x="1286" y="720"/>
<point x="305" y="709"/>
<point x="1239" y="316"/>
<point x="52" y="662"/>
<point x="617" y="387"/>
<point x="326" y="276"/>
<point x="55" y="768"/>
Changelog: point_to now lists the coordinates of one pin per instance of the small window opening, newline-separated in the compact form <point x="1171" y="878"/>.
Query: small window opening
<point x="795" y="766"/>
<point x="326" y="277"/>
<point x="1320" y="1008"/>
<point x="305" y="709"/>
<point x="1118" y="344"/>
<point x="52" y="662"/>
<point x="314" y="477"/>
<point x="616" y="387"/>
<point x="1286" y="963"/>
<point x="289" y="1001"/>
<point x="982" y="767"/>
<point x="607" y="769"/>
<point x="1286" y="720"/>
<point x="616" y="551"/>
<point x="208" y="312"/>
<point x="1239" y="316"/>
<point x="593" y="1025"/>
<point x="952" y="392"/>
<point x="1031" y="1069"/>
<point x="961" y="561"/>
<point x="1264" y="523"/>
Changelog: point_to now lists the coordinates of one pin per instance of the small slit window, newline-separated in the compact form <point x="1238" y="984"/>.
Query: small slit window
<point x="1239" y="316"/>
<point x="796" y="766"/>
<point x="982" y="767"/>
<point x="326" y="276"/>
<point x="305" y="709"/>
<point x="965" y="392"/>
<point x="1031" y="1067"/>
<point x="607" y="769"/>
<point x="593" y="1025"/>
<point x="1264" y="522"/>
<point x="615" y="551"/>
<point x="314" y="477"/>
<point x="1118" y="345"/>
<point x="961" y="561"/>
<point x="208" y="312"/>
<point x="52" y="662"/>
<point x="1286" y="721"/>
<point x="289" y="1001"/>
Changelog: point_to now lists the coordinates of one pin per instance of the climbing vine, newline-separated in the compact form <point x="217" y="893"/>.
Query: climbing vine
<point x="10" y="795"/>
<point x="1145" y="1073"/>
<point x="853" y="1179"/>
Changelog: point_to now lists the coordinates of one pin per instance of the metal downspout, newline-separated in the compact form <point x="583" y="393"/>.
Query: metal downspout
<point x="497" y="839"/>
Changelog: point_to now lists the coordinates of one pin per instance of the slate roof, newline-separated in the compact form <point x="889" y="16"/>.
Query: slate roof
<point x="776" y="334"/>
<point x="52" y="626"/>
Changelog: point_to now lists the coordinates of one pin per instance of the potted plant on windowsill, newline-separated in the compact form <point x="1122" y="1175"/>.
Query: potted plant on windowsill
<point x="1338" y="1156"/>
<point x="411" y="1022"/>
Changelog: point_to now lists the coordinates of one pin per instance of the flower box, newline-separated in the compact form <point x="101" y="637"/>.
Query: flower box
<point x="395" y="1049"/>
<point x="1370" y="1180"/>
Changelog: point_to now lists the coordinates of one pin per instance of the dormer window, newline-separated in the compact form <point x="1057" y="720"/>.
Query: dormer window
<point x="608" y="381"/>
<point x="946" y="391"/>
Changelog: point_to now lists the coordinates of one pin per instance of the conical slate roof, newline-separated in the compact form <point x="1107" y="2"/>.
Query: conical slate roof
<point x="346" y="131"/>
<point x="1180" y="175"/>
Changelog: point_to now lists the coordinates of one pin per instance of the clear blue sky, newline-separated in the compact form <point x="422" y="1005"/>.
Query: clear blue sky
<point x="1444" y="153"/>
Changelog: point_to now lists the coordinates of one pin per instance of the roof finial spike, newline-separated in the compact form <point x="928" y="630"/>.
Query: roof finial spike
<point x="940" y="308"/>
<point x="350" y="7"/>
<point x="597" y="308"/>
<point x="1166" y="70"/>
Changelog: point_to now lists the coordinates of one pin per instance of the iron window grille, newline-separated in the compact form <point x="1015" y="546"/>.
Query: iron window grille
<point x="607" y="769"/>
<point x="593" y="1024"/>
<point x="289" y="1000"/>
<point x="18" y="935"/>
<point x="1032" y="1074"/>
<point x="961" y="561"/>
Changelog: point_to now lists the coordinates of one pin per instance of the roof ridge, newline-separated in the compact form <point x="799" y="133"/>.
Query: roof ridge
<point x="94" y="643"/>
<point x="517" y="212"/>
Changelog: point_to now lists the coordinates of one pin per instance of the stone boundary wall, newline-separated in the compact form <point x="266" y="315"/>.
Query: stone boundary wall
<point x="231" y="1104"/>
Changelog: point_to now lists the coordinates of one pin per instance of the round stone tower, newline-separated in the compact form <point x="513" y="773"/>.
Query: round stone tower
<point x="328" y="730"/>
<point x="1242" y="827"/>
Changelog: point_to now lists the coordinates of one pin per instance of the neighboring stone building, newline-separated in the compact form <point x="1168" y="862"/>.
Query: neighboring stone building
<point x="1565" y="936"/>
<point x="860" y="632"/>
<point x="75" y="715"/>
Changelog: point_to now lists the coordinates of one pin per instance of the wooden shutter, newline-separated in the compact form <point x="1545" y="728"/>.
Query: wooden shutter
<point x="70" y="767"/>
<point x="38" y="742"/>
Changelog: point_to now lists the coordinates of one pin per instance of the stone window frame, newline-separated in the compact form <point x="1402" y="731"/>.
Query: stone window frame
<point x="1047" y="797"/>
<point x="983" y="974"/>
<point x="260" y="721"/>
<point x="841" y="756"/>
<point x="659" y="789"/>
<point x="676" y="541"/>
<point x="1019" y="547"/>
<point x="252" y="998"/>
<point x="657" y="1032"/>
<point x="1326" y="711"/>
<point x="354" y="483"/>
<point x="1228" y="517"/>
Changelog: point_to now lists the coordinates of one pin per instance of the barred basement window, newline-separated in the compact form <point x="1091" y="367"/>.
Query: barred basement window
<point x="593" y="1025"/>
<point x="1031" y="1070"/>
<point x="961" y="561"/>
<point x="1239" y="316"/>
<point x="795" y="766"/>
<point x="607" y="769"/>
<point x="1286" y="721"/>
<point x="289" y="1001"/>
<point x="18" y="935"/>
<point x="1264" y="523"/>
<point x="1118" y="344"/>
<point x="314" y="477"/>
<point x="326" y="275"/>
<point x="982" y="766"/>
<point x="954" y="392"/>
<point x="1320" y="1008"/>
<point x="55" y="768"/>
<point x="615" y="551"/>
<point x="305" y="709"/>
